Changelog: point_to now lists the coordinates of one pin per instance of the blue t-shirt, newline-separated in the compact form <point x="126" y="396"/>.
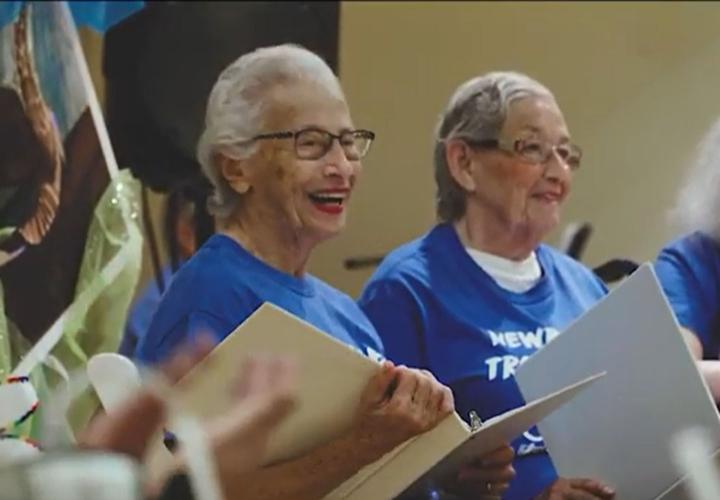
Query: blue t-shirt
<point x="435" y="308"/>
<point x="142" y="312"/>
<point x="223" y="284"/>
<point x="689" y="270"/>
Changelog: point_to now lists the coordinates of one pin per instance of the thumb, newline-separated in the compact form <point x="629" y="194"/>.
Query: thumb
<point x="378" y="386"/>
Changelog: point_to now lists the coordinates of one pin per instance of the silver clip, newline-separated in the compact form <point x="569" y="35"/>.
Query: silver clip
<point x="475" y="421"/>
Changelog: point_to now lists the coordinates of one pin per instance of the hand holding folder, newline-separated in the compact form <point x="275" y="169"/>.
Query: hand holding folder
<point x="333" y="380"/>
<point x="398" y="404"/>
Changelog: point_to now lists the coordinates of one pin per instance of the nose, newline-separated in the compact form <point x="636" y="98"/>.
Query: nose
<point x="557" y="170"/>
<point x="337" y="164"/>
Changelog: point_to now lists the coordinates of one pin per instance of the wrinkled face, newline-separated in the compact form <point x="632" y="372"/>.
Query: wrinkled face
<point x="306" y="196"/>
<point x="523" y="194"/>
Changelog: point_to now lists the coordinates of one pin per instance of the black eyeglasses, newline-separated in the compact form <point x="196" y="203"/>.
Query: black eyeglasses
<point x="534" y="150"/>
<point x="314" y="143"/>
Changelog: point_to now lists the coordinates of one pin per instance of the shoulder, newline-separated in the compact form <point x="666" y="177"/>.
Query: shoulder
<point x="339" y="301"/>
<point x="211" y="282"/>
<point x="211" y="292"/>
<point x="329" y="292"/>
<point x="688" y="269"/>
<point x="564" y="269"/>
<point x="409" y="276"/>
<point x="210" y="273"/>
<point x="695" y="246"/>
<point x="411" y="261"/>
<point x="348" y="316"/>
<point x="689" y="261"/>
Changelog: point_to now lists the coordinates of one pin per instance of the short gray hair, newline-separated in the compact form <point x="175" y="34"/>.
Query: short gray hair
<point x="476" y="111"/>
<point x="237" y="103"/>
<point x="698" y="203"/>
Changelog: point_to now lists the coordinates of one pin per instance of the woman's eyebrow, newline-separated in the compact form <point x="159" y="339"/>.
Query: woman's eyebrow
<point x="537" y="130"/>
<point x="312" y="126"/>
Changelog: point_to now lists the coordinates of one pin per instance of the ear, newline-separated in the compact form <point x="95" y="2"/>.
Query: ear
<point x="460" y="164"/>
<point x="235" y="172"/>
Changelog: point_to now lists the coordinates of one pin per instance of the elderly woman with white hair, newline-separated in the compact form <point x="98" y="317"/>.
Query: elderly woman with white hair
<point x="475" y="296"/>
<point x="689" y="267"/>
<point x="282" y="153"/>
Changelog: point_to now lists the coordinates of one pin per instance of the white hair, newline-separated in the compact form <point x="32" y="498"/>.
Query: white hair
<point x="236" y="106"/>
<point x="477" y="111"/>
<point x="698" y="203"/>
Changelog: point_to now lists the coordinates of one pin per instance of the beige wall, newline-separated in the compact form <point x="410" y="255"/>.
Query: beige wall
<point x="639" y="83"/>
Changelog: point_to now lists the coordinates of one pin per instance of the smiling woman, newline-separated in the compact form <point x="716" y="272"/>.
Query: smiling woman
<point x="458" y="300"/>
<point x="313" y="143"/>
<point x="283" y="155"/>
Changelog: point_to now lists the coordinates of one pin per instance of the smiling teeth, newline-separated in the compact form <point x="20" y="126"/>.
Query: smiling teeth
<point x="322" y="198"/>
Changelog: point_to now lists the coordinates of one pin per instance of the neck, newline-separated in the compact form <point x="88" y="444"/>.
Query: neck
<point x="284" y="250"/>
<point x="486" y="233"/>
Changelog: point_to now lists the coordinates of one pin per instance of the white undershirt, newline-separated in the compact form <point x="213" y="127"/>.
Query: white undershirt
<point x="518" y="277"/>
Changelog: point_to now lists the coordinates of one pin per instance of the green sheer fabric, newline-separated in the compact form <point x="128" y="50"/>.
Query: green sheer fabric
<point x="95" y="319"/>
<point x="5" y="352"/>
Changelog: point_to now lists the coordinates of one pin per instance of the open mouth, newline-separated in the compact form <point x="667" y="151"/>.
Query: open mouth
<point x="329" y="202"/>
<point x="326" y="199"/>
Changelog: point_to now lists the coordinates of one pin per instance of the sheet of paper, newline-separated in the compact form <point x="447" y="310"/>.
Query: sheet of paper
<point x="619" y="430"/>
<point x="494" y="433"/>
<point x="332" y="379"/>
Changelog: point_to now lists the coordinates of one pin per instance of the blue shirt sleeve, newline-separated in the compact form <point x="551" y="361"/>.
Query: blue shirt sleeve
<point x="397" y="318"/>
<point x="187" y="329"/>
<point x="139" y="319"/>
<point x="690" y="286"/>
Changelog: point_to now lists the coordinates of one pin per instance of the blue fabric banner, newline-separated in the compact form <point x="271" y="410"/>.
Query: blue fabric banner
<point x="98" y="15"/>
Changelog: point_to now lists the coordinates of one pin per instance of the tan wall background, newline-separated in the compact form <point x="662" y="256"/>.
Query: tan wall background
<point x="638" y="82"/>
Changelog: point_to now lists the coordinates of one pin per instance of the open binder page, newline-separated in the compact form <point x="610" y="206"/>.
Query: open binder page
<point x="332" y="379"/>
<point x="493" y="433"/>
<point x="620" y="431"/>
<point x="389" y="476"/>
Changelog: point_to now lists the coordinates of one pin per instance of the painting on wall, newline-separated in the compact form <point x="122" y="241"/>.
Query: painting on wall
<point x="70" y="241"/>
<point x="52" y="172"/>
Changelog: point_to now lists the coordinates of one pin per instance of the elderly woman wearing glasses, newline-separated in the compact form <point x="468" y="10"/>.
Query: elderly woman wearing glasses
<point x="283" y="156"/>
<point x="475" y="296"/>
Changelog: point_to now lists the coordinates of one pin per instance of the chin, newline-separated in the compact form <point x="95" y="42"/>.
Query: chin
<point x="323" y="232"/>
<point x="544" y="225"/>
<point x="545" y="215"/>
<point x="547" y="228"/>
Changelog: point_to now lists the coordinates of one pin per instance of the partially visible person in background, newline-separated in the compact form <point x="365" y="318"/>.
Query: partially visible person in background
<point x="180" y="238"/>
<point x="475" y="296"/>
<point x="689" y="266"/>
